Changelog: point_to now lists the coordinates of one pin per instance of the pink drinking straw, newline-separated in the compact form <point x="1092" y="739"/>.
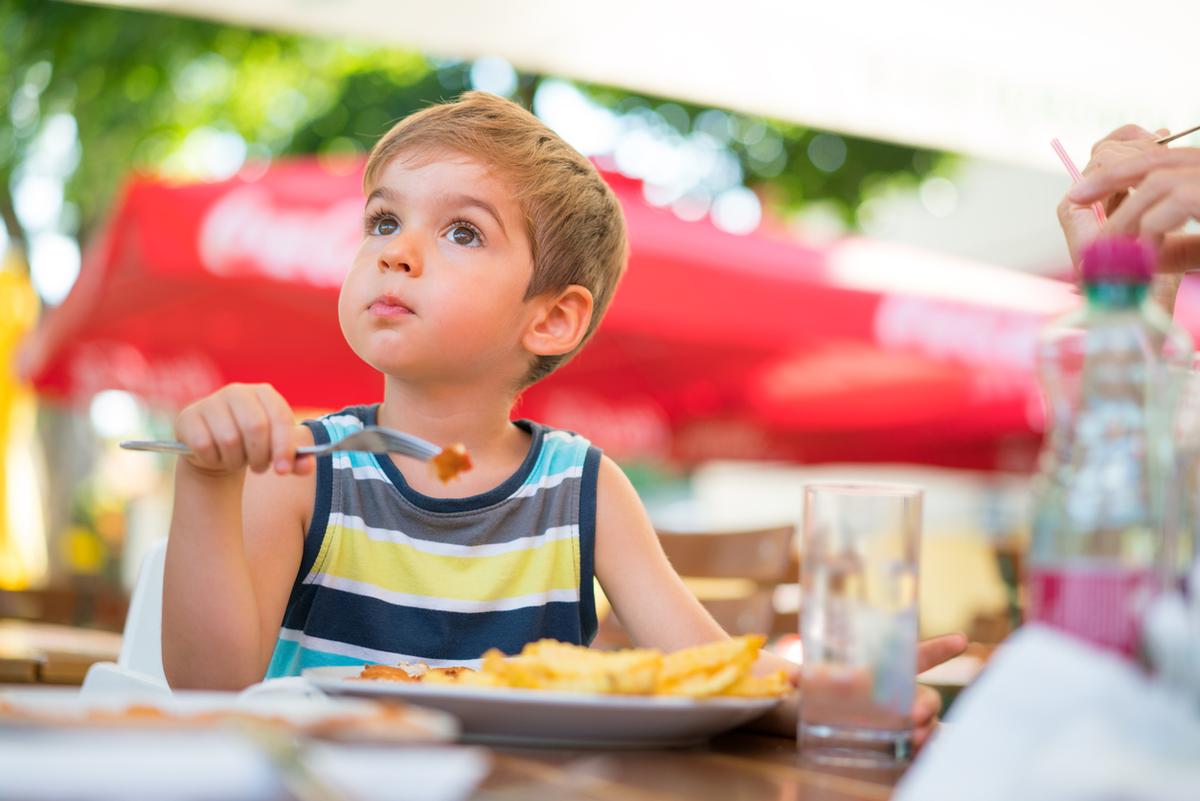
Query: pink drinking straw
<point x="1101" y="218"/>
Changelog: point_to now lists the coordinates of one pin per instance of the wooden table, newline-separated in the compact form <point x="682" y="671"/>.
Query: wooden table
<point x="741" y="766"/>
<point x="33" y="652"/>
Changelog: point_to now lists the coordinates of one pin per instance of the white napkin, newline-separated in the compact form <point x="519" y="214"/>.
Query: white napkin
<point x="1054" y="719"/>
<point x="67" y="765"/>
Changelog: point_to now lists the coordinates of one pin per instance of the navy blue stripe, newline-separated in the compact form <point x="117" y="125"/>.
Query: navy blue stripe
<point x="472" y="502"/>
<point x="299" y="606"/>
<point x="371" y="623"/>
<point x="587" y="544"/>
<point x="320" y="516"/>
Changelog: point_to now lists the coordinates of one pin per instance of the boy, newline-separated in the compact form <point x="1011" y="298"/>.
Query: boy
<point x="490" y="252"/>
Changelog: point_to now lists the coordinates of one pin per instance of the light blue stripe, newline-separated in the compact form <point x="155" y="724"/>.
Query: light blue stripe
<point x="290" y="658"/>
<point x="341" y="427"/>
<point x="557" y="456"/>
<point x="352" y="459"/>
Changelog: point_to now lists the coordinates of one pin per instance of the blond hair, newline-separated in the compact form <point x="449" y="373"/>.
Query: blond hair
<point x="574" y="222"/>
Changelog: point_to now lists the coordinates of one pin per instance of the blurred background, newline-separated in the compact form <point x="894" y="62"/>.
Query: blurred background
<point x="859" y="204"/>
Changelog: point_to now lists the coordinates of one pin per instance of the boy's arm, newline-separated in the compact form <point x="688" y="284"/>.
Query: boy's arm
<point x="648" y="596"/>
<point x="659" y="611"/>
<point x="235" y="546"/>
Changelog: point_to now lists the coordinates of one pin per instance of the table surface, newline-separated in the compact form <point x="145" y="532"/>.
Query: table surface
<point x="48" y="653"/>
<point x="742" y="766"/>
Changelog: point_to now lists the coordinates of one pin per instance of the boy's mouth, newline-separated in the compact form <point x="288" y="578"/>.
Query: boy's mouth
<point x="388" y="306"/>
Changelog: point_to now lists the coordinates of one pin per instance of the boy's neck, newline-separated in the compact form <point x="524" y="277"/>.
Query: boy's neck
<point x="476" y="417"/>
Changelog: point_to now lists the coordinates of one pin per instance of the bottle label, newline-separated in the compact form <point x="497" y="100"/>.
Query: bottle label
<point x="1099" y="603"/>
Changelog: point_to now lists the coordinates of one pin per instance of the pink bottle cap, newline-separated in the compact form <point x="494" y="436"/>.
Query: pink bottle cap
<point x="1120" y="259"/>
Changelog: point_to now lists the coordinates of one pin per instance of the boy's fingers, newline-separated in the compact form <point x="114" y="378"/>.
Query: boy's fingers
<point x="283" y="433"/>
<point x="194" y="432"/>
<point x="305" y="465"/>
<point x="255" y="426"/>
<point x="231" y="453"/>
<point x="1123" y="174"/>
<point x="935" y="651"/>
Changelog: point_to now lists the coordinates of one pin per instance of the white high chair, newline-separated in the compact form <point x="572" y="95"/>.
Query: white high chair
<point x="138" y="668"/>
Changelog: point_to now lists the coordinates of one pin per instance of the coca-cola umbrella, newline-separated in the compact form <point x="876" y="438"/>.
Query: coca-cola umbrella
<point x="716" y="345"/>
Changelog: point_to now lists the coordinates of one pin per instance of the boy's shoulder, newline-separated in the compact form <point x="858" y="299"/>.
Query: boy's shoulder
<point x="556" y="439"/>
<point x="344" y="421"/>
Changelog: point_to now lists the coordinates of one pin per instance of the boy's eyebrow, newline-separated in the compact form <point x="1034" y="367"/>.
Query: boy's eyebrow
<point x="483" y="205"/>
<point x="448" y="200"/>
<point x="382" y="192"/>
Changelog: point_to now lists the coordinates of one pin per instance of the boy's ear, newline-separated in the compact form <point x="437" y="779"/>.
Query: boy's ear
<point x="559" y="322"/>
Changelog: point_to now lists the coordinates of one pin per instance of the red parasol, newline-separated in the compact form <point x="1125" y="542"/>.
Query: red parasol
<point x="715" y="346"/>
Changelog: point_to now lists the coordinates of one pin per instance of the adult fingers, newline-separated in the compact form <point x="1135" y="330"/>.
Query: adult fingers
<point x="926" y="705"/>
<point x="1173" y="210"/>
<point x="1179" y="253"/>
<point x="1108" y="152"/>
<point x="1125" y="133"/>
<point x="921" y="735"/>
<point x="1128" y="172"/>
<point x="937" y="650"/>
<point x="1127" y="219"/>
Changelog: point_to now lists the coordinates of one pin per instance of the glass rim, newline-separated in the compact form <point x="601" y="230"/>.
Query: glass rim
<point x="851" y="488"/>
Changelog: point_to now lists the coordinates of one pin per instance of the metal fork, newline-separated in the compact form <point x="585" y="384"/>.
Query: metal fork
<point x="372" y="439"/>
<point x="1174" y="136"/>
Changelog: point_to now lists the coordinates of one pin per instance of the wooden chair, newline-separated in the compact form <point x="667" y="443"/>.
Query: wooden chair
<point x="735" y="575"/>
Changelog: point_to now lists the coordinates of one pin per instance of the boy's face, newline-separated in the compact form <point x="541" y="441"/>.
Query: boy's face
<point x="436" y="291"/>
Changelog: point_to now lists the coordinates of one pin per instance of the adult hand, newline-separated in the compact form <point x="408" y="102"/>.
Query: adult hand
<point x="928" y="704"/>
<point x="1077" y="218"/>
<point x="1165" y="196"/>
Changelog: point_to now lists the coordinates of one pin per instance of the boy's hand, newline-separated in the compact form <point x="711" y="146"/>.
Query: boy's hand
<point x="1075" y="215"/>
<point x="239" y="426"/>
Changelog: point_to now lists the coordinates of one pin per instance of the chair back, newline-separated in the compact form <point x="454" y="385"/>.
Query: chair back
<point x="764" y="556"/>
<point x="734" y="574"/>
<point x="141" y="646"/>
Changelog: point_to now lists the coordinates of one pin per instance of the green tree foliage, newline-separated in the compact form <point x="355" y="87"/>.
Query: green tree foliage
<point x="138" y="85"/>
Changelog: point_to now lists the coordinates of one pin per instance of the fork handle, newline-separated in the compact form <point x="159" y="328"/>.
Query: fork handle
<point x="157" y="445"/>
<point x="178" y="448"/>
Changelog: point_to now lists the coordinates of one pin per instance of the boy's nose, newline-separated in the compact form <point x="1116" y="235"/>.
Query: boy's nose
<point x="396" y="257"/>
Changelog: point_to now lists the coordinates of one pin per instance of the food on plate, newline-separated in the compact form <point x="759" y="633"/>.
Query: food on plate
<point x="357" y="721"/>
<point x="720" y="668"/>
<point x="453" y="460"/>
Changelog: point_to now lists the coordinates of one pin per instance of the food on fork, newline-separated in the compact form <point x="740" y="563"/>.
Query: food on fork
<point x="720" y="668"/>
<point x="453" y="460"/>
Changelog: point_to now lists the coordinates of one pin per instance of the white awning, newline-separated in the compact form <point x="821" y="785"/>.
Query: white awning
<point x="985" y="78"/>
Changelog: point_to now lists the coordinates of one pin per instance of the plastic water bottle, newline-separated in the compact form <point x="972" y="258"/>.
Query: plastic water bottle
<point x="1110" y="371"/>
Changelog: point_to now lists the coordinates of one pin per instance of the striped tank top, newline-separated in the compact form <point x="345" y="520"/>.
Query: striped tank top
<point x="391" y="575"/>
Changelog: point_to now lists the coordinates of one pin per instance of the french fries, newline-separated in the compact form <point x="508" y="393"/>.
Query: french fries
<point x="716" y="669"/>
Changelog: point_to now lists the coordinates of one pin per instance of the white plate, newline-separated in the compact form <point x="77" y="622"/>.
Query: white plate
<point x="539" y="717"/>
<point x="319" y="715"/>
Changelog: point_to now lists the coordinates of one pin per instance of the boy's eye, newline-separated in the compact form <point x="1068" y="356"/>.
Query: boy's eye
<point x="382" y="225"/>
<point x="465" y="235"/>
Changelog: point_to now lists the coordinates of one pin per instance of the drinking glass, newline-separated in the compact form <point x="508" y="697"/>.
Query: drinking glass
<point x="858" y="623"/>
